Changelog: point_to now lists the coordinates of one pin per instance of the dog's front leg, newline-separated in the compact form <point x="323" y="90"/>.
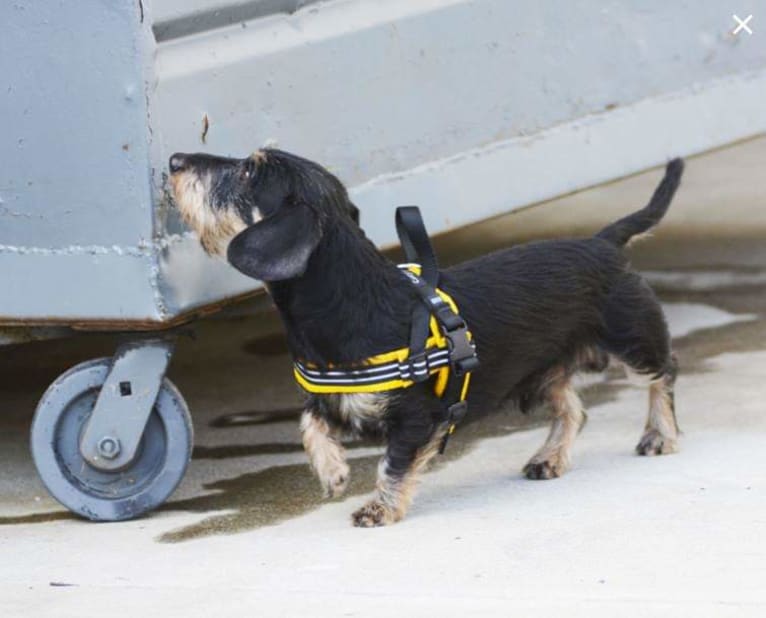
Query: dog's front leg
<point x="326" y="454"/>
<point x="406" y="456"/>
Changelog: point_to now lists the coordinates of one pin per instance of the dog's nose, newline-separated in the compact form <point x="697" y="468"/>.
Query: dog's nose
<point x="178" y="163"/>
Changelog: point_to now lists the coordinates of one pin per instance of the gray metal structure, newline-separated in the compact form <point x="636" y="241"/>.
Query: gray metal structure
<point x="467" y="108"/>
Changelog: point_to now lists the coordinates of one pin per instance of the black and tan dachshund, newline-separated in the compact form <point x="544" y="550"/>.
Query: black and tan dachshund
<point x="539" y="313"/>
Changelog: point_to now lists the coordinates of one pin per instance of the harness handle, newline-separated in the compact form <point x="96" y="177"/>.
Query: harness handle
<point x="415" y="242"/>
<point x="417" y="248"/>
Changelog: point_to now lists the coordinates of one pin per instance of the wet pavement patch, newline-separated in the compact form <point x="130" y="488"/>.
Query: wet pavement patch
<point x="39" y="518"/>
<point x="245" y="450"/>
<point x="262" y="498"/>
<point x="256" y="417"/>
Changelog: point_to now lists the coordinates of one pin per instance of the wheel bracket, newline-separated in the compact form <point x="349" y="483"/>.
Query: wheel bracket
<point x="124" y="403"/>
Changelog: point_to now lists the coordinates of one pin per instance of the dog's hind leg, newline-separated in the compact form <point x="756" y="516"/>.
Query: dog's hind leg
<point x="637" y="334"/>
<point x="326" y="454"/>
<point x="553" y="458"/>
<point x="661" y="430"/>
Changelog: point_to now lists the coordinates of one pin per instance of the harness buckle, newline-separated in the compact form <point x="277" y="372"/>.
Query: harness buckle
<point x="462" y="352"/>
<point x="448" y="319"/>
<point x="456" y="412"/>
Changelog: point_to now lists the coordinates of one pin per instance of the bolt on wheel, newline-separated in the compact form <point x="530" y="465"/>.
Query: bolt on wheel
<point x="141" y="485"/>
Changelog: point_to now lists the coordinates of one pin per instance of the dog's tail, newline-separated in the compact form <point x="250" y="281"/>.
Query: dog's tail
<point x="620" y="232"/>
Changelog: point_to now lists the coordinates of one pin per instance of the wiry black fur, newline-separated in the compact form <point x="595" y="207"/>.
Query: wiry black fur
<point x="530" y="308"/>
<point x="534" y="309"/>
<point x="621" y="231"/>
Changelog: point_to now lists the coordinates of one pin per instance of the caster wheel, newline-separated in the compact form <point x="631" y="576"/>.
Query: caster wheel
<point x="156" y="470"/>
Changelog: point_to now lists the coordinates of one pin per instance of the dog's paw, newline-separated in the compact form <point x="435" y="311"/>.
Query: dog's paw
<point x="654" y="443"/>
<point x="372" y="514"/>
<point x="543" y="470"/>
<point x="335" y="481"/>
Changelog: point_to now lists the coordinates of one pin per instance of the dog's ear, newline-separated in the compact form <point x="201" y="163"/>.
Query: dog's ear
<point x="279" y="246"/>
<point x="354" y="212"/>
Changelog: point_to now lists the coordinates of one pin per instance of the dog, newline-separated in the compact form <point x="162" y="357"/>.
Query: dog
<point x="539" y="313"/>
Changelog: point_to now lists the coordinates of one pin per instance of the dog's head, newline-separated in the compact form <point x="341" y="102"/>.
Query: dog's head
<point x="266" y="213"/>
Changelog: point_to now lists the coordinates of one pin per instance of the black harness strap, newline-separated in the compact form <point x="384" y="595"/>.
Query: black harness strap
<point x="415" y="242"/>
<point x="462" y="353"/>
<point x="417" y="248"/>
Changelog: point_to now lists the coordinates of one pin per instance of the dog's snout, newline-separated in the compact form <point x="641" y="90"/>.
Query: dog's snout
<point x="178" y="163"/>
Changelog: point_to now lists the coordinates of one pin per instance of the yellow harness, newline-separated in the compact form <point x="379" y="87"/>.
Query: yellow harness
<point x="360" y="379"/>
<point x="444" y="351"/>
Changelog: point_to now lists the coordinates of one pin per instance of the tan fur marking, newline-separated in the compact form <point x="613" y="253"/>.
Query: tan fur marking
<point x="326" y="454"/>
<point x="259" y="156"/>
<point x="640" y="237"/>
<point x="592" y="359"/>
<point x="359" y="408"/>
<point x="553" y="458"/>
<point x="660" y="434"/>
<point x="215" y="228"/>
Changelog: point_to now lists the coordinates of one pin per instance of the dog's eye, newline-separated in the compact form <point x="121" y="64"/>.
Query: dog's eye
<point x="248" y="171"/>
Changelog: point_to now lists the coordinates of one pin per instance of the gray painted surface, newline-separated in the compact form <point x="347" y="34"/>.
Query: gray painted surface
<point x="124" y="403"/>
<point x="76" y="219"/>
<point x="73" y="286"/>
<point x="176" y="18"/>
<point x="74" y="147"/>
<point x="470" y="109"/>
<point x="380" y="87"/>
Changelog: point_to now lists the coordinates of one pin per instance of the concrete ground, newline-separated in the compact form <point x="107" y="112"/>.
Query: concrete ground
<point x="247" y="533"/>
